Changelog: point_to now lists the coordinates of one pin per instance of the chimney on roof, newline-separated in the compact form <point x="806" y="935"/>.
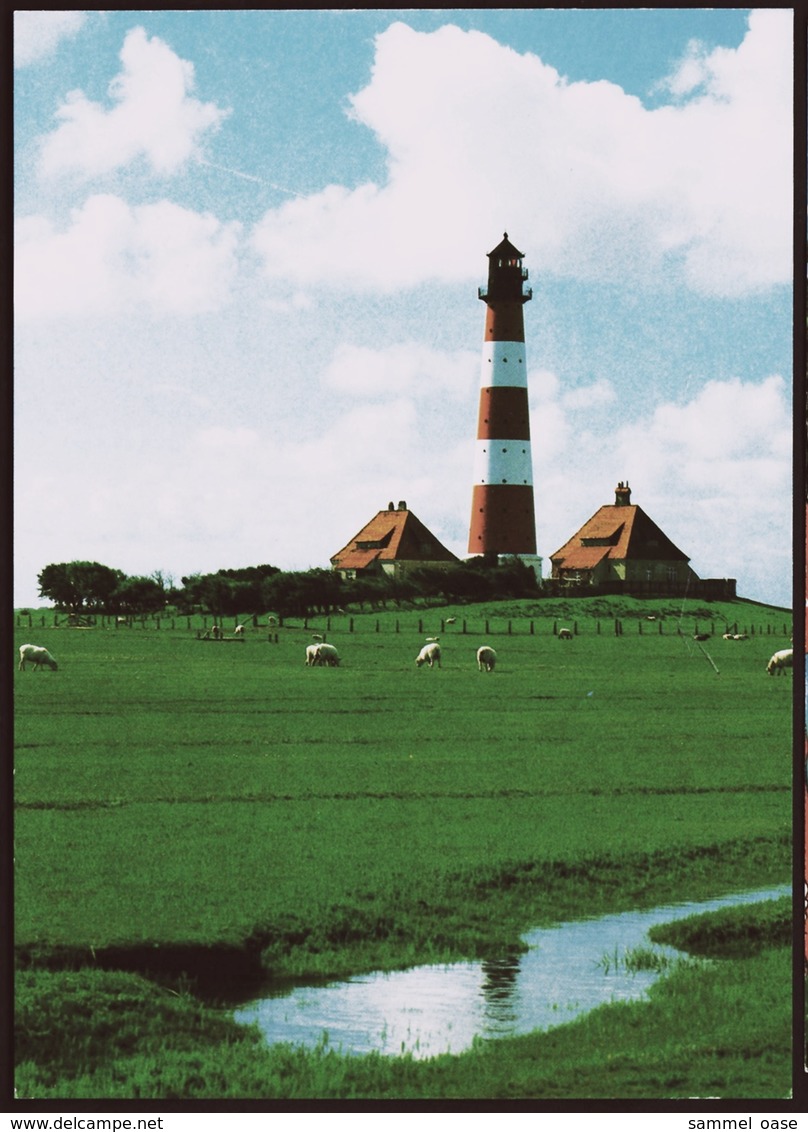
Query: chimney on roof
<point x="390" y="506"/>
<point x="402" y="506"/>
<point x="622" y="495"/>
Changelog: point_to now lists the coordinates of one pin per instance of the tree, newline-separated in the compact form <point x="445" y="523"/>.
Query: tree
<point x="79" y="585"/>
<point x="138" y="595"/>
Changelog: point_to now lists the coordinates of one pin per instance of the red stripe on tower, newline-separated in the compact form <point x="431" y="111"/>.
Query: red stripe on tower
<point x="502" y="514"/>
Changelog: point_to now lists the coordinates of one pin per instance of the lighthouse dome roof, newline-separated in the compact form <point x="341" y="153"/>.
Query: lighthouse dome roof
<point x="506" y="250"/>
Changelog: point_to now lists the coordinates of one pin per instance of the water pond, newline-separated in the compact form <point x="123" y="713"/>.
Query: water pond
<point x="568" y="969"/>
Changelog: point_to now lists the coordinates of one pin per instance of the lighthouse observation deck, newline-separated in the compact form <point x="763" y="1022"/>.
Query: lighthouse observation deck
<point x="525" y="293"/>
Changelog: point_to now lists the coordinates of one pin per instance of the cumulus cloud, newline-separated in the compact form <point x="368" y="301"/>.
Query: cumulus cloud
<point x="404" y="367"/>
<point x="714" y="473"/>
<point x="589" y="181"/>
<point x="153" y="117"/>
<point x="37" y="35"/>
<point x="112" y="255"/>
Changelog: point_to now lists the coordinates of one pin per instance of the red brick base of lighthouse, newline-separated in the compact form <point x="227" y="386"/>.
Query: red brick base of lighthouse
<point x="502" y="516"/>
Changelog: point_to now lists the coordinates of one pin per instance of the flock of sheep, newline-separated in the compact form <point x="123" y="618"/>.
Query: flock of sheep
<point x="322" y="654"/>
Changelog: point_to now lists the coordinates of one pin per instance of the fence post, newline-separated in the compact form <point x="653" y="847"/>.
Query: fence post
<point x="420" y="625"/>
<point x="464" y="626"/>
<point x="639" y="626"/>
<point x="377" y="626"/>
<point x="486" y="628"/>
<point x="575" y="628"/>
<point x="350" y="625"/>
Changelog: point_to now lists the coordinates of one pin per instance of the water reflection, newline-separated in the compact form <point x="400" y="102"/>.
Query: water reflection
<point x="441" y="1009"/>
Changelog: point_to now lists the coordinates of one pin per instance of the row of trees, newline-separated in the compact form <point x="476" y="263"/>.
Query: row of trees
<point x="90" y="587"/>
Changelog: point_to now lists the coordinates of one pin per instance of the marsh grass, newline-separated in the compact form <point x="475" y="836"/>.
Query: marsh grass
<point x="635" y="959"/>
<point x="224" y="803"/>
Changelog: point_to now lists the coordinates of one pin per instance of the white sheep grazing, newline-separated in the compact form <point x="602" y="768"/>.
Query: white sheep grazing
<point x="564" y="635"/>
<point x="741" y="637"/>
<point x="486" y="658"/>
<point x="38" y="656"/>
<point x="312" y="655"/>
<point x="780" y="662"/>
<point x="328" y="655"/>
<point x="317" y="636"/>
<point x="451" y="620"/>
<point x="729" y="637"/>
<point x="429" y="654"/>
<point x="238" y="631"/>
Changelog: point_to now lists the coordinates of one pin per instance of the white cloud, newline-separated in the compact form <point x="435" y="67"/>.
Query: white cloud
<point x="37" y="35"/>
<point x="404" y="367"/>
<point x="172" y="260"/>
<point x="154" y="117"/>
<point x="600" y="392"/>
<point x="587" y="180"/>
<point x="714" y="474"/>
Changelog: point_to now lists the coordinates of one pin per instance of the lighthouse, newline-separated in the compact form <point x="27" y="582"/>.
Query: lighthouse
<point x="502" y="514"/>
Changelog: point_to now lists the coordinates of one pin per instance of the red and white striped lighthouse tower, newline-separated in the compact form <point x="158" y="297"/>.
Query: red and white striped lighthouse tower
<point x="502" y="514"/>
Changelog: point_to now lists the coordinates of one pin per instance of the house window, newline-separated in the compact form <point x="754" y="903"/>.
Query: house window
<point x="671" y="573"/>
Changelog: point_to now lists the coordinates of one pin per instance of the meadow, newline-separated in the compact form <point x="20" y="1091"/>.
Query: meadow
<point x="212" y="812"/>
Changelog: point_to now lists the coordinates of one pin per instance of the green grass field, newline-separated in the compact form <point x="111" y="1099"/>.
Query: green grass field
<point x="203" y="795"/>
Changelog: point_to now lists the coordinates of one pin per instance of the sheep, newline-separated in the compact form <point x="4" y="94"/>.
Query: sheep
<point x="328" y="655"/>
<point x="701" y="636"/>
<point x="37" y="655"/>
<point x="317" y="636"/>
<point x="312" y="655"/>
<point x="565" y="635"/>
<point x="429" y="654"/>
<point x="429" y="640"/>
<point x="780" y="661"/>
<point x="486" y="658"/>
<point x="216" y="633"/>
<point x="451" y="620"/>
<point x="729" y="637"/>
<point x="741" y="637"/>
<point x="238" y="631"/>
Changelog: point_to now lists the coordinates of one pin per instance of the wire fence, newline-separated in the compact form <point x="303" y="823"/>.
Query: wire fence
<point x="209" y="627"/>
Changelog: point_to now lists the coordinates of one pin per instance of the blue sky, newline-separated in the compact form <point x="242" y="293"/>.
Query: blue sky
<point x="247" y="252"/>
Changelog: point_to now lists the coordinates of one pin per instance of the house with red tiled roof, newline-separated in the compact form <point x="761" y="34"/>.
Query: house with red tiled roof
<point x="620" y="549"/>
<point x="392" y="543"/>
